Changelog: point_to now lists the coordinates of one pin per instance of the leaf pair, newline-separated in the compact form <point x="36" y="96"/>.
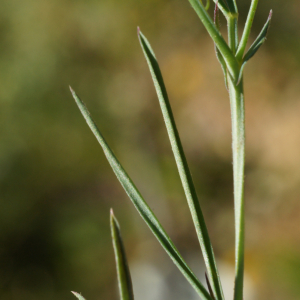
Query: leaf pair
<point x="186" y="179"/>
<point x="141" y="205"/>
<point x="227" y="59"/>
<point x="251" y="51"/>
<point x="227" y="54"/>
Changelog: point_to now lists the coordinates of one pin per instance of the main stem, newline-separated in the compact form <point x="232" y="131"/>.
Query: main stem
<point x="236" y="94"/>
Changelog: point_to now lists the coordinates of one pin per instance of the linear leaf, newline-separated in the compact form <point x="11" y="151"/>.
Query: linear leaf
<point x="182" y="166"/>
<point x="231" y="6"/>
<point x="141" y="205"/>
<point x="231" y="61"/>
<point x="207" y="5"/>
<point x="218" y="53"/>
<point x="246" y="31"/>
<point x="78" y="296"/>
<point x="256" y="45"/>
<point x="124" y="278"/>
<point x="223" y="6"/>
<point x="209" y="287"/>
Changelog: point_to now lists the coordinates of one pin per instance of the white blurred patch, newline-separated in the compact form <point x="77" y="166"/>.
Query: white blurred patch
<point x="154" y="281"/>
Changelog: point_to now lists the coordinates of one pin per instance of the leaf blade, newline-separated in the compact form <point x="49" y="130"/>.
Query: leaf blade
<point x="123" y="273"/>
<point x="232" y="6"/>
<point x="256" y="45"/>
<point x="229" y="57"/>
<point x="182" y="166"/>
<point x="246" y="31"/>
<point x="218" y="53"/>
<point x="141" y="205"/>
<point x="78" y="296"/>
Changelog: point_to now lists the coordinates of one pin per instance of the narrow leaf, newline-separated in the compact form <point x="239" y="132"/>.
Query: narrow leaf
<point x="231" y="4"/>
<point x="78" y="296"/>
<point x="209" y="286"/>
<point x="124" y="278"/>
<point x="218" y="53"/>
<point x="207" y="5"/>
<point x="246" y="31"/>
<point x="223" y="6"/>
<point x="141" y="205"/>
<point x="182" y="166"/>
<point x="256" y="45"/>
<point x="229" y="57"/>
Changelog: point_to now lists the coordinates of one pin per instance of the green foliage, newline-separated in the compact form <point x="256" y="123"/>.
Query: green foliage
<point x="124" y="278"/>
<point x="256" y="45"/>
<point x="141" y="205"/>
<point x="232" y="66"/>
<point x="182" y="165"/>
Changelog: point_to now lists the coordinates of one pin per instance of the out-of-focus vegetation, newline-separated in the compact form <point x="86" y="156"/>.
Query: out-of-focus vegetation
<point x="56" y="187"/>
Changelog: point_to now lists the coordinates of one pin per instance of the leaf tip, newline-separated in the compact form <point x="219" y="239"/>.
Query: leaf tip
<point x="209" y="287"/>
<point x="72" y="91"/>
<point x="112" y="216"/>
<point x="270" y="14"/>
<point x="77" y="295"/>
<point x="113" y="220"/>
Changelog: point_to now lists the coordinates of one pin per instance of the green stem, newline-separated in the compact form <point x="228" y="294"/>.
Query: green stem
<point x="236" y="94"/>
<point x="232" y="6"/>
<point x="247" y="29"/>
<point x="232" y="31"/>
<point x="229" y="56"/>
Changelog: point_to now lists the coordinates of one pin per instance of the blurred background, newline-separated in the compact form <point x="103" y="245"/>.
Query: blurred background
<point x="56" y="187"/>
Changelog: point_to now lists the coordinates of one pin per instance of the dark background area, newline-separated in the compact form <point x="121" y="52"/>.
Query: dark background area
<point x="56" y="187"/>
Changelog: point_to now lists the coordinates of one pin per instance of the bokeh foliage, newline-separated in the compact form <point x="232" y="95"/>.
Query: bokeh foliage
<point x="56" y="187"/>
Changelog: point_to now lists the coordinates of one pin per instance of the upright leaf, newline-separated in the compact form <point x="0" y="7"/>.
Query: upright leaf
<point x="124" y="278"/>
<point x="218" y="53"/>
<point x="229" y="57"/>
<point x="256" y="45"/>
<point x="223" y="6"/>
<point x="182" y="166"/>
<point x="246" y="31"/>
<point x="209" y="287"/>
<point x="207" y="5"/>
<point x="231" y="6"/>
<point x="141" y="205"/>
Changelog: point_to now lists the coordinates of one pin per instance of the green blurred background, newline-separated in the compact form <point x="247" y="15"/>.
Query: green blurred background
<point x="56" y="187"/>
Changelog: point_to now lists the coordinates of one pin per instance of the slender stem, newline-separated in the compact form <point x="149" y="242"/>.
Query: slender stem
<point x="228" y="55"/>
<point x="247" y="29"/>
<point x="223" y="6"/>
<point x="232" y="6"/>
<point x="236" y="94"/>
<point x="232" y="31"/>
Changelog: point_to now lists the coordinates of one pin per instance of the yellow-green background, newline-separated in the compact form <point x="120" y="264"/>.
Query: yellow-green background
<point x="56" y="187"/>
